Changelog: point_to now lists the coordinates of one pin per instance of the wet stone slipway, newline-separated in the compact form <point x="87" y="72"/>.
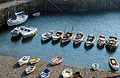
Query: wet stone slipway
<point x="10" y="69"/>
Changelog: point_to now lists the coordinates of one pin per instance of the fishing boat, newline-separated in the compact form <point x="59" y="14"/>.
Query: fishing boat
<point x="45" y="73"/>
<point x="66" y="37"/>
<point x="36" y="14"/>
<point x="28" y="32"/>
<point x="89" y="40"/>
<point x="112" y="42"/>
<point x="30" y="69"/>
<point x="20" y="18"/>
<point x="47" y="35"/>
<point x="78" y="38"/>
<point x="34" y="60"/>
<point x="67" y="73"/>
<point x="57" y="35"/>
<point x="17" y="31"/>
<point x="101" y="40"/>
<point x="95" y="66"/>
<point x="56" y="60"/>
<point x="113" y="63"/>
<point x="23" y="60"/>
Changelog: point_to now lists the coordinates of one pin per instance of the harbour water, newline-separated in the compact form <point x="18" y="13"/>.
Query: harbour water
<point x="98" y="23"/>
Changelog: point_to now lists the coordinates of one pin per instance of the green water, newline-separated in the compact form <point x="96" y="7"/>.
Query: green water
<point x="98" y="23"/>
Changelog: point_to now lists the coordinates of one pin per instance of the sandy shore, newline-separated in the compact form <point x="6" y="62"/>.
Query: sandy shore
<point x="10" y="69"/>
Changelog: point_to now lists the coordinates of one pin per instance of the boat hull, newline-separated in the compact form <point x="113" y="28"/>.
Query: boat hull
<point x="115" y="67"/>
<point x="17" y="23"/>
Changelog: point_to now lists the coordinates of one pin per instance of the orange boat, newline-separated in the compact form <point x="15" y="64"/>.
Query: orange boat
<point x="66" y="37"/>
<point x="56" y="60"/>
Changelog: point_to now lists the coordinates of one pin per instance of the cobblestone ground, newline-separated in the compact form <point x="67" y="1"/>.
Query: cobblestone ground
<point x="10" y="69"/>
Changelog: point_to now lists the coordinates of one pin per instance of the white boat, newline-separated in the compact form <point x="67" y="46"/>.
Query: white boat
<point x="90" y="40"/>
<point x="17" y="31"/>
<point x="47" y="35"/>
<point x="113" y="63"/>
<point x="36" y="14"/>
<point x="28" y="32"/>
<point x="34" y="60"/>
<point x="23" y="60"/>
<point x="67" y="73"/>
<point x="57" y="35"/>
<point x="78" y="38"/>
<point x="112" y="42"/>
<point x="45" y="73"/>
<point x="30" y="69"/>
<point x="101" y="40"/>
<point x="95" y="66"/>
<point x="20" y="18"/>
<point x="56" y="60"/>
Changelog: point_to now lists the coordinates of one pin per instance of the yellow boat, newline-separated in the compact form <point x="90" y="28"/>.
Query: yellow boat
<point x="34" y="60"/>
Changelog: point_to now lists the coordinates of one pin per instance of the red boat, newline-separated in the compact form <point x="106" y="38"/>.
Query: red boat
<point x="56" y="60"/>
<point x="66" y="37"/>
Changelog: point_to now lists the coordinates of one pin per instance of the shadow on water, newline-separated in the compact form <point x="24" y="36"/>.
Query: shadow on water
<point x="76" y="45"/>
<point x="64" y="44"/>
<point x="88" y="47"/>
<point x="15" y="39"/>
<point x="46" y="41"/>
<point x="100" y="47"/>
<point x="55" y="42"/>
<point x="26" y="40"/>
<point x="112" y="70"/>
<point x="109" y="50"/>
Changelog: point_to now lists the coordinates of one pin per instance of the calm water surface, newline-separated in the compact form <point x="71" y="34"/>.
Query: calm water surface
<point x="106" y="23"/>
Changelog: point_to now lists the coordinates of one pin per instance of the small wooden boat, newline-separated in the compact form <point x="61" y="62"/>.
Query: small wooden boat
<point x="20" y="18"/>
<point x="36" y="14"/>
<point x="67" y="73"/>
<point x="47" y="35"/>
<point x="57" y="35"/>
<point x="30" y="69"/>
<point x="17" y="31"/>
<point x="34" y="60"/>
<point x="101" y="40"/>
<point x="45" y="73"/>
<point x="23" y="60"/>
<point x="112" y="42"/>
<point x="90" y="40"/>
<point x="78" y="38"/>
<point x="66" y="37"/>
<point x="28" y="32"/>
<point x="113" y="63"/>
<point x="95" y="66"/>
<point x="56" y="60"/>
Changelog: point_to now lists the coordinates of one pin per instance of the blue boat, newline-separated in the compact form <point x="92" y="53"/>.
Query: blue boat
<point x="45" y="73"/>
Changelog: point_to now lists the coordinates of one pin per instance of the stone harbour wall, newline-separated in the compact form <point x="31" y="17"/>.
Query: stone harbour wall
<point x="7" y="8"/>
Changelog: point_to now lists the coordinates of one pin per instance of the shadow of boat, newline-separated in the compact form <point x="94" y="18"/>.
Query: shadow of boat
<point x="26" y="40"/>
<point x="112" y="70"/>
<point x="55" y="42"/>
<point x="15" y="39"/>
<point x="77" y="75"/>
<point x="88" y="47"/>
<point x="45" y="42"/>
<point x="64" y="44"/>
<point x="23" y="74"/>
<point x="100" y="47"/>
<point x="16" y="65"/>
<point x="76" y="45"/>
<point x="109" y="50"/>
